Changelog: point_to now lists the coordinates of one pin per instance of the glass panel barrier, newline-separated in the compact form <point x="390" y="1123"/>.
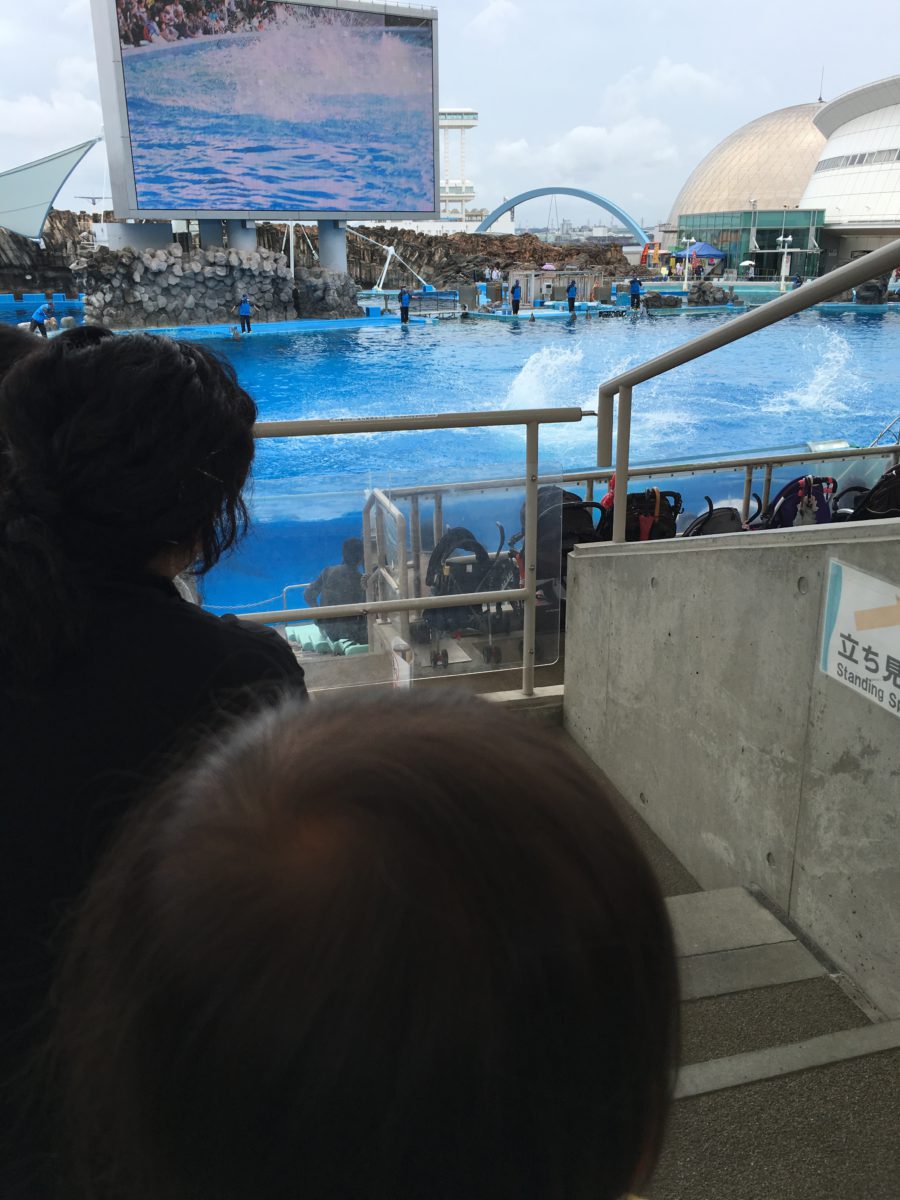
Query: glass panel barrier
<point x="725" y="486"/>
<point x="420" y="541"/>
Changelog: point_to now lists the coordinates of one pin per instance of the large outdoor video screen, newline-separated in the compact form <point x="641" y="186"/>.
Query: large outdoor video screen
<point x="258" y="107"/>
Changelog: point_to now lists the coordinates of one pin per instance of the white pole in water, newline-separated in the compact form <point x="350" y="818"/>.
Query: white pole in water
<point x="291" y="235"/>
<point x="685" y="264"/>
<point x="785" y="243"/>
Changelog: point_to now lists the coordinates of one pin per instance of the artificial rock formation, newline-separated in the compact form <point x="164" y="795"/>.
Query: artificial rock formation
<point x="145" y="288"/>
<point x="450" y="260"/>
<point x="708" y="293"/>
<point x="662" y="300"/>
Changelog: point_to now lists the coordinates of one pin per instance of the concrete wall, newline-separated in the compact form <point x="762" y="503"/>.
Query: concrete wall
<point x="692" y="680"/>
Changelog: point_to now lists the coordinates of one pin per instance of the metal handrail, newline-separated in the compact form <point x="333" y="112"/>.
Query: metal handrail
<point x="887" y="429"/>
<point x="603" y="474"/>
<point x="532" y="419"/>
<point x="877" y="262"/>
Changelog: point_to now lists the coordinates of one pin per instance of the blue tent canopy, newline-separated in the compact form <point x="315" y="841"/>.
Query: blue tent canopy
<point x="702" y="250"/>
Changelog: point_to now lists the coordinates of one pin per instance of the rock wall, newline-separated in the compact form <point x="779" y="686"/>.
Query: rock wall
<point x="139" y="289"/>
<point x="451" y="260"/>
<point x="707" y="292"/>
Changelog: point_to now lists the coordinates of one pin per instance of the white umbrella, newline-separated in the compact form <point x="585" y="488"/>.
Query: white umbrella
<point x="748" y="262"/>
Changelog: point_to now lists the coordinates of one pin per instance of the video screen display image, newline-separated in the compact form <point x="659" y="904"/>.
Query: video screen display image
<point x="252" y="105"/>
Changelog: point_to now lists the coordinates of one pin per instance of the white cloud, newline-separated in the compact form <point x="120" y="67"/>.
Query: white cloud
<point x="667" y="77"/>
<point x="37" y="125"/>
<point x="77" y="11"/>
<point x="585" y="151"/>
<point x="495" y="20"/>
<point x="78" y="74"/>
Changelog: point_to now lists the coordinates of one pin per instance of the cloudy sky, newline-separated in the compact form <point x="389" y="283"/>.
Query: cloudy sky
<point x="620" y="99"/>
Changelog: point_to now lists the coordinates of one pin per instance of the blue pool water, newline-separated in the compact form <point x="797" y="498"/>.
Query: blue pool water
<point x="810" y="377"/>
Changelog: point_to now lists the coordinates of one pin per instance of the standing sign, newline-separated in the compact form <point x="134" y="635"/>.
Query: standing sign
<point x="861" y="634"/>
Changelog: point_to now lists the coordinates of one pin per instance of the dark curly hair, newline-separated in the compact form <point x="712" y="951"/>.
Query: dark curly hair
<point x="16" y="344"/>
<point x="111" y="452"/>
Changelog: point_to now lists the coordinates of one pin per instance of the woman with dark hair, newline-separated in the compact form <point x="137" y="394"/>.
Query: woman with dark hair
<point x="122" y="461"/>
<point x="15" y="344"/>
<point x="435" y="966"/>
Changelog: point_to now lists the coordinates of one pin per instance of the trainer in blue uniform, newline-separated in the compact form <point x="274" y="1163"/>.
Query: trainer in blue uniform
<point x="244" y="310"/>
<point x="634" y="289"/>
<point x="571" y="293"/>
<point x="403" y="300"/>
<point x="39" y="318"/>
<point x="516" y="296"/>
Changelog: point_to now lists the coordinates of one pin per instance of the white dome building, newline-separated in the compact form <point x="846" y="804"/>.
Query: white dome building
<point x="857" y="177"/>
<point x="767" y="162"/>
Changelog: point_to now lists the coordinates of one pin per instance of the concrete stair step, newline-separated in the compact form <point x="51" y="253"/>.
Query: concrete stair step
<point x="818" y="1134"/>
<point x="761" y="1017"/>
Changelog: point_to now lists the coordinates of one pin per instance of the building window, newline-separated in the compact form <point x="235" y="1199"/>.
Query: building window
<point x="857" y="160"/>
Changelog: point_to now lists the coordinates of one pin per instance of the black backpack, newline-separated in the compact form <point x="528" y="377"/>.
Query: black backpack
<point x="878" y="502"/>
<point x="720" y="520"/>
<point x="804" y="501"/>
<point x="564" y="521"/>
<point x="649" y="516"/>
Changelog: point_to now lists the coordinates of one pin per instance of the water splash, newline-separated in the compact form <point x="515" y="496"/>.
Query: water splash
<point x="551" y="378"/>
<point x="832" y="380"/>
<point x="297" y="71"/>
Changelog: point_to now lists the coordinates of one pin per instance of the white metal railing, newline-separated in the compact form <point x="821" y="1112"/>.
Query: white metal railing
<point x="877" y="262"/>
<point x="748" y="464"/>
<point x="893" y="430"/>
<point x="378" y="504"/>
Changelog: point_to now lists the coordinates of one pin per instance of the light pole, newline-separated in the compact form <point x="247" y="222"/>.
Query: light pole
<point x="785" y="245"/>
<point x="688" y="242"/>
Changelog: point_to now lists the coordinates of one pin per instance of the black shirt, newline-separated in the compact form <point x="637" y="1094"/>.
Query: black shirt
<point x="155" y="674"/>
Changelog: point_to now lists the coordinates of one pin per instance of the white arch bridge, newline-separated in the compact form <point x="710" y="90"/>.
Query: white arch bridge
<point x="613" y="209"/>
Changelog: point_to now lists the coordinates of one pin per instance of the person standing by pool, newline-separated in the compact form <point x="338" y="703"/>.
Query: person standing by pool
<point x="244" y="310"/>
<point x="634" y="288"/>
<point x="40" y="316"/>
<point x="341" y="584"/>
<point x="403" y="300"/>
<point x="516" y="295"/>
<point x="571" y="293"/>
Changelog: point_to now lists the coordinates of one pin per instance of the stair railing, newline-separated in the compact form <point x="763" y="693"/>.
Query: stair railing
<point x="878" y="262"/>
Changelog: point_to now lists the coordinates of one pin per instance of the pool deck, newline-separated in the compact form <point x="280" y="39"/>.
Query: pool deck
<point x="260" y="329"/>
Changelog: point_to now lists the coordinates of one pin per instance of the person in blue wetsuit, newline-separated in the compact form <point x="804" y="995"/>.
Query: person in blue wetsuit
<point x="571" y="293"/>
<point x="634" y="289"/>
<point x="39" y="318"/>
<point x="403" y="300"/>
<point x="516" y="295"/>
<point x="244" y="310"/>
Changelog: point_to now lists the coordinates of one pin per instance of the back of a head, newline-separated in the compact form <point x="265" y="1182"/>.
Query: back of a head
<point x="352" y="552"/>
<point x="401" y="949"/>
<point x="114" y="449"/>
<point x="15" y="344"/>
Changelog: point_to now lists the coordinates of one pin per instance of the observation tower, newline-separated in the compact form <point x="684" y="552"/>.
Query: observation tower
<point x="456" y="192"/>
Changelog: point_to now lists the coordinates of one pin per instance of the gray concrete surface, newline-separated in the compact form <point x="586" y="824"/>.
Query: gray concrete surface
<point x="741" y="1022"/>
<point x="692" y="679"/>
<point x="727" y="919"/>
<point x="829" y="1134"/>
<point x="671" y="876"/>
<point x="727" y="971"/>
